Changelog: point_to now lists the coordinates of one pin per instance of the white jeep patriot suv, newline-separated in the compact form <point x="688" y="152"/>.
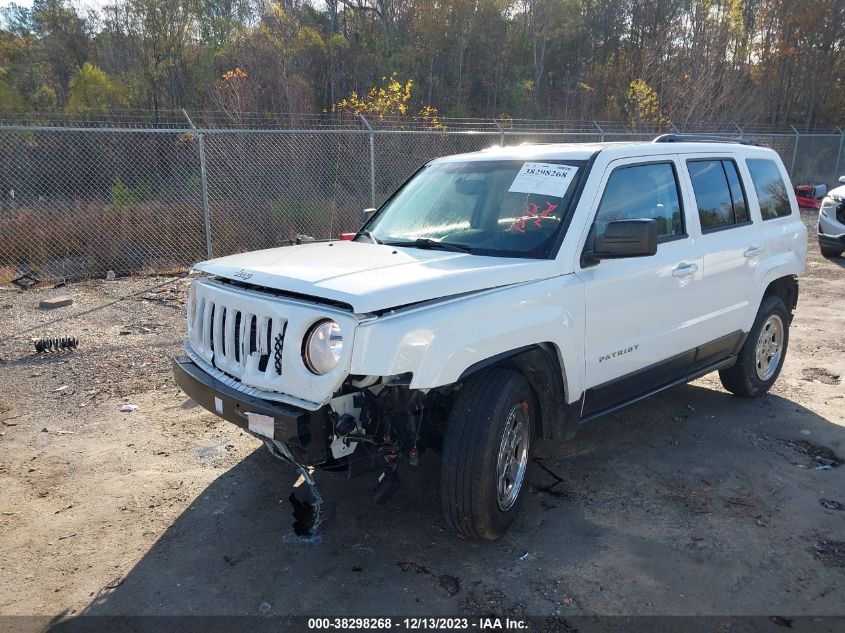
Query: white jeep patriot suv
<point x="499" y="298"/>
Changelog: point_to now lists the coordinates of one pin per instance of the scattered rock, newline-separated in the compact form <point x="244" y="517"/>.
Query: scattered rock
<point x="128" y="408"/>
<point x="784" y="622"/>
<point x="820" y="375"/>
<point x="491" y="602"/>
<point x="451" y="584"/>
<point x="831" y="553"/>
<point x="817" y="454"/>
<point x="7" y="412"/>
<point x="116" y="582"/>
<point x="414" y="567"/>
<point x="55" y="302"/>
<point x="830" y="504"/>
<point x="110" y="276"/>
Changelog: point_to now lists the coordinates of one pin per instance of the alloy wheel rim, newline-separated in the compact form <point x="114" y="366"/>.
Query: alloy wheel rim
<point x="513" y="456"/>
<point x="769" y="349"/>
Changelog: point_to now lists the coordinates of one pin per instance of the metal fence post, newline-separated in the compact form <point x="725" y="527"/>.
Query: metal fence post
<point x="794" y="153"/>
<point x="372" y="161"/>
<point x="836" y="174"/>
<point x="501" y="133"/>
<point x="206" y="212"/>
<point x="601" y="131"/>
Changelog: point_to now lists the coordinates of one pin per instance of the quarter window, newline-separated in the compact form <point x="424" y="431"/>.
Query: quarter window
<point x="643" y="192"/>
<point x="718" y="193"/>
<point x="771" y="192"/>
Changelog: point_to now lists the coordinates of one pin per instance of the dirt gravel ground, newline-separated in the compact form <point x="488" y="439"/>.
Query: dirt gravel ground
<point x="692" y="502"/>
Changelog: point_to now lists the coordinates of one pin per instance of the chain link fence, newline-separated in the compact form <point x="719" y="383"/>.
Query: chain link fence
<point x="77" y="202"/>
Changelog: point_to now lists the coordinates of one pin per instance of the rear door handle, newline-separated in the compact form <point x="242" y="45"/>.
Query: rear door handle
<point x="752" y="251"/>
<point x="682" y="270"/>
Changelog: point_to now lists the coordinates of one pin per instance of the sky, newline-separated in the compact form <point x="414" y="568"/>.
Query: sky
<point x="84" y="4"/>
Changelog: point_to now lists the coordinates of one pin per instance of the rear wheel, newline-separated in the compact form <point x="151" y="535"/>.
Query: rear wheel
<point x="485" y="454"/>
<point x="830" y="251"/>
<point x="761" y="358"/>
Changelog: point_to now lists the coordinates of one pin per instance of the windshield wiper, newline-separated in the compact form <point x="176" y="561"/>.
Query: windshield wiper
<point x="424" y="242"/>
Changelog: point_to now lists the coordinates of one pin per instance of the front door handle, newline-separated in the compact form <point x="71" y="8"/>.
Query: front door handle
<point x="752" y="251"/>
<point x="682" y="270"/>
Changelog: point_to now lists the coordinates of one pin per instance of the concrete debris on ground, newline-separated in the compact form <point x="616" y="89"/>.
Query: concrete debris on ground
<point x="52" y="303"/>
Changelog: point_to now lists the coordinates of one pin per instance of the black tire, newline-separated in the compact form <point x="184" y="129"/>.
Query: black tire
<point x="742" y="379"/>
<point x="830" y="251"/>
<point x="468" y="474"/>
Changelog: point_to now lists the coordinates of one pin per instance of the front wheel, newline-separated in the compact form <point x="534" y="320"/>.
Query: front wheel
<point x="829" y="251"/>
<point x="761" y="358"/>
<point x="485" y="454"/>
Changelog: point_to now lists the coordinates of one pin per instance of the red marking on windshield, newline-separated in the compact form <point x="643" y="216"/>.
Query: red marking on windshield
<point x="532" y="210"/>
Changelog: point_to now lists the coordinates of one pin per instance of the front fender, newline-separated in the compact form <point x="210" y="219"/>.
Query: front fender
<point x="438" y="343"/>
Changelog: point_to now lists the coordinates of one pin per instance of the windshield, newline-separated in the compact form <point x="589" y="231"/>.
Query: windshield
<point x="501" y="208"/>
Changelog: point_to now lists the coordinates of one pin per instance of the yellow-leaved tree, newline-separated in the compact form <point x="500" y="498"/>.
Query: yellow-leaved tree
<point x="391" y="99"/>
<point x="93" y="92"/>
<point x="643" y="105"/>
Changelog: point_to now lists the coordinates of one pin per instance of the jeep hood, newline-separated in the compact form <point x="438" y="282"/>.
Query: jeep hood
<point x="373" y="277"/>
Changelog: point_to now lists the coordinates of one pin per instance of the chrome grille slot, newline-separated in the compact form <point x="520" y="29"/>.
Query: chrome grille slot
<point x="237" y="348"/>
<point x="253" y="335"/>
<point x="264" y="340"/>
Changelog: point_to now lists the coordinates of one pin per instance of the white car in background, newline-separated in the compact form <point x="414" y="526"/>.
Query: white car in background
<point x="832" y="222"/>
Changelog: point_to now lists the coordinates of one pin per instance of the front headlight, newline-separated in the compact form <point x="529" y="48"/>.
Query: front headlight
<point x="828" y="205"/>
<point x="322" y="347"/>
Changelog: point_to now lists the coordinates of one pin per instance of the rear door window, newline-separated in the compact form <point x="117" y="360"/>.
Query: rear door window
<point x="718" y="193"/>
<point x="770" y="188"/>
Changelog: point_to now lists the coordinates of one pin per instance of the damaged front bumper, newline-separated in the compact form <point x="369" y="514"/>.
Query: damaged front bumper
<point x="304" y="433"/>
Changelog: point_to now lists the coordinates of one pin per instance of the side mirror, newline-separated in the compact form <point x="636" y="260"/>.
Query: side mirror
<point x="366" y="214"/>
<point x="626" y="238"/>
<point x="842" y="179"/>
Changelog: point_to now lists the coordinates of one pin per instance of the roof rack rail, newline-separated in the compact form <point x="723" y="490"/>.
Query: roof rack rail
<point x="700" y="138"/>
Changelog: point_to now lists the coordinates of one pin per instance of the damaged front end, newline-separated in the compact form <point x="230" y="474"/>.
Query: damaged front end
<point x="373" y="426"/>
<point x="380" y="426"/>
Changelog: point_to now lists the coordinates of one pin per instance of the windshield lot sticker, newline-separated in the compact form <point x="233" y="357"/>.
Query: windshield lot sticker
<point x="543" y="178"/>
<point x="532" y="210"/>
